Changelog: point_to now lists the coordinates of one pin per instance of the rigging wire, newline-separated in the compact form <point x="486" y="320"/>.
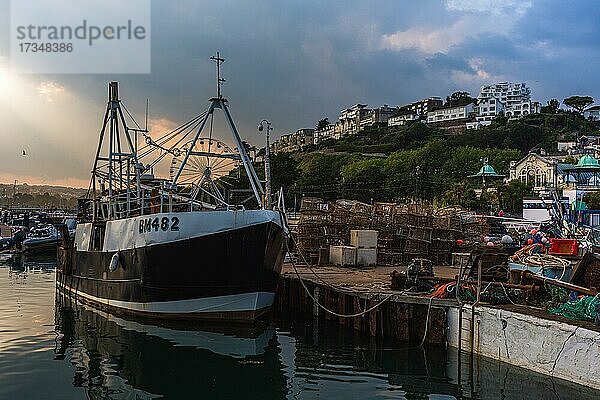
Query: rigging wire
<point x="186" y="128"/>
<point x="174" y="146"/>
<point x="131" y="116"/>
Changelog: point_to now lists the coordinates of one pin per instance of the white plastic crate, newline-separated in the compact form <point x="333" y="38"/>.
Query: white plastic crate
<point x="342" y="255"/>
<point x="365" y="239"/>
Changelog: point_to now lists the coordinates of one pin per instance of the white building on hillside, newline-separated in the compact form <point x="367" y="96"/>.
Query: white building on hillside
<point x="295" y="141"/>
<point x="450" y="114"/>
<point x="422" y="107"/>
<point x="349" y="120"/>
<point x="379" y="115"/>
<point x="357" y="117"/>
<point x="414" y="111"/>
<point x="402" y="118"/>
<point x="592" y="113"/>
<point x="515" y="99"/>
<point x="324" y="133"/>
<point x="487" y="109"/>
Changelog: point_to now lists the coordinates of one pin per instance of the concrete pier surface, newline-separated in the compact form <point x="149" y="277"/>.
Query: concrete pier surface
<point x="520" y="335"/>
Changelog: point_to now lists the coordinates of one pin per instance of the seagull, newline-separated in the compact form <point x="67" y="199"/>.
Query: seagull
<point x="24" y="153"/>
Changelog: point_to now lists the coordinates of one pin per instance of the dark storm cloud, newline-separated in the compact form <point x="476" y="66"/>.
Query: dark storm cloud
<point x="563" y="24"/>
<point x="553" y="47"/>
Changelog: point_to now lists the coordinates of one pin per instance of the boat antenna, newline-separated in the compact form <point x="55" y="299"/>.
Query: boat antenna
<point x="218" y="61"/>
<point x="147" y="111"/>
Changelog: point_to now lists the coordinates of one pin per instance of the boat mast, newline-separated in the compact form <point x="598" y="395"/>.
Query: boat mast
<point x="120" y="162"/>
<point x="220" y="102"/>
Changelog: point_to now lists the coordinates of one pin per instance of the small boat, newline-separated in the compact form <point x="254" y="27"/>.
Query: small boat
<point x="41" y="239"/>
<point x="6" y="243"/>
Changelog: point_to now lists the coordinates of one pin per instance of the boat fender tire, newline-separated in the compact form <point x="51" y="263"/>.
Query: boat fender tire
<point x="114" y="262"/>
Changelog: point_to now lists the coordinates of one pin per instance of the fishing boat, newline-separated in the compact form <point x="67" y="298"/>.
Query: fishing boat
<point x="176" y="246"/>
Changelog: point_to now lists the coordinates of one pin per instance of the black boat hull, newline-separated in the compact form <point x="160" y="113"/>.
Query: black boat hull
<point x="40" y="245"/>
<point x="230" y="275"/>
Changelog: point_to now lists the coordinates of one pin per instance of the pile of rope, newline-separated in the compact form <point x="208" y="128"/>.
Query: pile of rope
<point x="533" y="255"/>
<point x="585" y="308"/>
<point x="448" y="290"/>
<point x="526" y="250"/>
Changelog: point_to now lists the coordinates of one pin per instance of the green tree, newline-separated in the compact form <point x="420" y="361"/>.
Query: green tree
<point x="551" y="106"/>
<point x="250" y="150"/>
<point x="284" y="171"/>
<point x="320" y="173"/>
<point x="578" y="103"/>
<point x="511" y="195"/>
<point x="459" y="99"/>
<point x="323" y="123"/>
<point x="592" y="200"/>
<point x="364" y="180"/>
<point x="472" y="202"/>
<point x="457" y="194"/>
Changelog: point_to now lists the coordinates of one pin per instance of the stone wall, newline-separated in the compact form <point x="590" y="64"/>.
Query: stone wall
<point x="547" y="346"/>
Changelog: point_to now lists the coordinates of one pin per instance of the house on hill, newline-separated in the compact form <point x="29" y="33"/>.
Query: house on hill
<point x="592" y="113"/>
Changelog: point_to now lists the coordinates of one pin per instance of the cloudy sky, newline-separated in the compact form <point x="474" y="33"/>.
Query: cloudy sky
<point x="294" y="62"/>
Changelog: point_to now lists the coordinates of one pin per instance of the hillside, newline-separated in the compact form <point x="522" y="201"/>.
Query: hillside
<point x="39" y="196"/>
<point x="420" y="162"/>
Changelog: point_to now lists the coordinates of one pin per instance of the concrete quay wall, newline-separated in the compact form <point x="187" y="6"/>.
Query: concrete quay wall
<point x="547" y="346"/>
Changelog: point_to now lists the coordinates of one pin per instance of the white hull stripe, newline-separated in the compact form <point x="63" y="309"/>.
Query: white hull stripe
<point x="230" y="303"/>
<point x="149" y="230"/>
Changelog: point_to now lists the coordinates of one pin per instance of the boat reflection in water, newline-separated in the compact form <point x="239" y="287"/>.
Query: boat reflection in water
<point x="119" y="358"/>
<point x="20" y="262"/>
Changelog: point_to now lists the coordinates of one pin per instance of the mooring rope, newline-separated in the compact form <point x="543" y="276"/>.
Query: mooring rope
<point x="426" y="323"/>
<point x="368" y="310"/>
<point x="316" y="301"/>
<point x="332" y="286"/>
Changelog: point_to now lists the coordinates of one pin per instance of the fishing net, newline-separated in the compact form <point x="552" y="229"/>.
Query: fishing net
<point x="551" y="297"/>
<point x="586" y="308"/>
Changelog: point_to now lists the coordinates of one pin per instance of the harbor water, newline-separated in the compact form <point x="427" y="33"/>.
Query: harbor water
<point x="51" y="347"/>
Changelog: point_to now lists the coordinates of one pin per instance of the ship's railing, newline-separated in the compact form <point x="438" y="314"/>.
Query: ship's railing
<point x="118" y="208"/>
<point x="153" y="205"/>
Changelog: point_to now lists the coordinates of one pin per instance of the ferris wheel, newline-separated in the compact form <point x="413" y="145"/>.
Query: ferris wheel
<point x="207" y="161"/>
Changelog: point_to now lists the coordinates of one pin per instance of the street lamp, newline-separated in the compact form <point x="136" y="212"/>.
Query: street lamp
<point x="261" y="126"/>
